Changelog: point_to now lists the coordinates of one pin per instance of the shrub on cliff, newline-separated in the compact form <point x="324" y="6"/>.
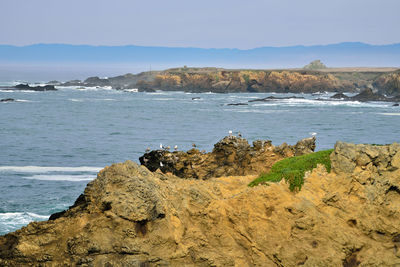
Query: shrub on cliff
<point x="293" y="169"/>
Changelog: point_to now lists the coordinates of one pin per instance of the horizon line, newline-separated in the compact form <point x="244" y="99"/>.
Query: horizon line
<point x="192" y="47"/>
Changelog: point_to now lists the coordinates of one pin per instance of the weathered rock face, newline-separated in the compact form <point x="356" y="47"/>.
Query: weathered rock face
<point x="225" y="81"/>
<point x="347" y="157"/>
<point x="230" y="156"/>
<point x="130" y="216"/>
<point x="389" y="84"/>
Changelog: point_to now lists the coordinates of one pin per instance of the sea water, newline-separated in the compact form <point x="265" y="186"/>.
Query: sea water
<point x="53" y="143"/>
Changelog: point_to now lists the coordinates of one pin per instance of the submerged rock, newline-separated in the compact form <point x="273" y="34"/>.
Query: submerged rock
<point x="7" y="100"/>
<point x="237" y="104"/>
<point x="339" y="96"/>
<point x="230" y="156"/>
<point x="130" y="216"/>
<point x="271" y="98"/>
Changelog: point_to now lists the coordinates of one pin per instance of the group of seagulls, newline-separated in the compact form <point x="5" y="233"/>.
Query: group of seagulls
<point x="168" y="147"/>
<point x="163" y="148"/>
<point x="230" y="135"/>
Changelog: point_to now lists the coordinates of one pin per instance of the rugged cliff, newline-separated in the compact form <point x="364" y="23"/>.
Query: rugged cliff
<point x="389" y="84"/>
<point x="224" y="81"/>
<point x="219" y="80"/>
<point x="130" y="216"/>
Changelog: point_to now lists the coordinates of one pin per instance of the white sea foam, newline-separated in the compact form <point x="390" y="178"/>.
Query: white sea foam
<point x="51" y="177"/>
<point x="41" y="169"/>
<point x="21" y="217"/>
<point x="106" y="99"/>
<point x="134" y="90"/>
<point x="163" y="99"/>
<point x="389" y="114"/>
<point x="11" y="221"/>
<point x="156" y="93"/>
<point x="75" y="100"/>
<point x="302" y="102"/>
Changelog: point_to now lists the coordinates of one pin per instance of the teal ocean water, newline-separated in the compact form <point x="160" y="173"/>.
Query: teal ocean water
<point x="53" y="143"/>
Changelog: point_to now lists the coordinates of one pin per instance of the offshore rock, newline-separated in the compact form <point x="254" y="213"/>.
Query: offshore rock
<point x="7" y="100"/>
<point x="27" y="87"/>
<point x="130" y="216"/>
<point x="230" y="156"/>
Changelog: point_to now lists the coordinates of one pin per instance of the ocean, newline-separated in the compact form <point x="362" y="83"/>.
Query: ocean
<point x="53" y="143"/>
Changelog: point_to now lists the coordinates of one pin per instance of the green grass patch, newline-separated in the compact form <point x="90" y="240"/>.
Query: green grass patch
<point x="293" y="169"/>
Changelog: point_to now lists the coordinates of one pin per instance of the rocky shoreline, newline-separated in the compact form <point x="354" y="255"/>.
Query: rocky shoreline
<point x="131" y="216"/>
<point x="217" y="80"/>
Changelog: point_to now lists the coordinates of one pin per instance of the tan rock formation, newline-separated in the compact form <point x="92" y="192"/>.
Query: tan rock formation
<point x="230" y="156"/>
<point x="224" y="81"/>
<point x="130" y="216"/>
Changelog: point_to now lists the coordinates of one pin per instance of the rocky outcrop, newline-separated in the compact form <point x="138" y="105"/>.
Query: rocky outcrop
<point x="346" y="157"/>
<point x="27" y="87"/>
<point x="388" y="84"/>
<point x="230" y="156"/>
<point x="218" y="80"/>
<point x="339" y="96"/>
<point x="130" y="216"/>
<point x="7" y="100"/>
<point x="224" y="81"/>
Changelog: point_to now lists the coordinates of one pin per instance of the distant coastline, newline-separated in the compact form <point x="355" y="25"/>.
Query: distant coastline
<point x="382" y="81"/>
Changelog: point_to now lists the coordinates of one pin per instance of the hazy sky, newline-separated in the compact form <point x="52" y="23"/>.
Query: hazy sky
<point x="206" y="23"/>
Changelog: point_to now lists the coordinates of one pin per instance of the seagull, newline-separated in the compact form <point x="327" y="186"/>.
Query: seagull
<point x="161" y="146"/>
<point x="161" y="165"/>
<point x="239" y="134"/>
<point x="313" y="134"/>
<point x="168" y="148"/>
<point x="230" y="134"/>
<point x="148" y="150"/>
<point x="176" y="147"/>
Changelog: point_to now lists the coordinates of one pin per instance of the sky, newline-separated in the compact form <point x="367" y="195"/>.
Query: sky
<point x="206" y="24"/>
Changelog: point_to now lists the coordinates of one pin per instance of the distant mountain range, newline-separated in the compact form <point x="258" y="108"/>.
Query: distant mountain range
<point x="334" y="55"/>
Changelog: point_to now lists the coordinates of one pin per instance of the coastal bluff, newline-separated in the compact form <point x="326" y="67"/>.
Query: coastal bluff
<point x="131" y="216"/>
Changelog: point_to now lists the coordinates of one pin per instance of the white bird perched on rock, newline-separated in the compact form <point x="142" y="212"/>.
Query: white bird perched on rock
<point x="161" y="165"/>
<point x="230" y="134"/>
<point x="161" y="146"/>
<point x="313" y="134"/>
<point x="175" y="147"/>
<point x="148" y="150"/>
<point x="168" y="148"/>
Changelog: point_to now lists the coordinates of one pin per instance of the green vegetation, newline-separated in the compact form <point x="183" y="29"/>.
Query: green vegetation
<point x="293" y="169"/>
<point x="246" y="78"/>
<point x="315" y="65"/>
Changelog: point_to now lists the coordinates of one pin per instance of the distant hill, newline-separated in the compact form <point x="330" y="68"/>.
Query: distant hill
<point x="334" y="55"/>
